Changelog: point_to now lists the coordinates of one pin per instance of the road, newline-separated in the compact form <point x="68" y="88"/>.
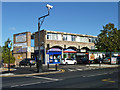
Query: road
<point x="99" y="78"/>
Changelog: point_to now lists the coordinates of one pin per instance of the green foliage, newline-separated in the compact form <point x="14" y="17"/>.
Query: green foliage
<point x="108" y="39"/>
<point x="5" y="54"/>
<point x="0" y="53"/>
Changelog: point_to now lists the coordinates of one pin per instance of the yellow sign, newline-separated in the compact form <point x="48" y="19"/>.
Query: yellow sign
<point x="92" y="57"/>
<point x="19" y="57"/>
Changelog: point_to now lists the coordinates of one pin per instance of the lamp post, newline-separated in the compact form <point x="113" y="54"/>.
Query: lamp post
<point x="39" y="61"/>
<point x="9" y="46"/>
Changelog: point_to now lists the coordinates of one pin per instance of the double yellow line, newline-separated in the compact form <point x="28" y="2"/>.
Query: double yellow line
<point x="108" y="80"/>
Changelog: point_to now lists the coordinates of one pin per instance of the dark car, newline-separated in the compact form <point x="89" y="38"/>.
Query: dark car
<point x="83" y="60"/>
<point x="27" y="62"/>
<point x="118" y="59"/>
<point x="107" y="60"/>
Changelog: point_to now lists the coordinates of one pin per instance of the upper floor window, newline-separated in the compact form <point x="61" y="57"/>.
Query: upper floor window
<point x="92" y="39"/>
<point x="64" y="37"/>
<point x="72" y="37"/>
<point x="54" y="36"/>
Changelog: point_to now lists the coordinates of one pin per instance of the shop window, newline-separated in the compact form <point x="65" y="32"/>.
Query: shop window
<point x="72" y="37"/>
<point x="65" y="56"/>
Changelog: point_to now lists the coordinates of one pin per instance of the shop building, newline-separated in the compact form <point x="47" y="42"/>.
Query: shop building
<point x="58" y="45"/>
<point x="54" y="45"/>
<point x="22" y="46"/>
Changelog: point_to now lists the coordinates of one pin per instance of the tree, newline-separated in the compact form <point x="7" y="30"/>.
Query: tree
<point x="5" y="54"/>
<point x="108" y="39"/>
<point x="118" y="44"/>
<point x="0" y="53"/>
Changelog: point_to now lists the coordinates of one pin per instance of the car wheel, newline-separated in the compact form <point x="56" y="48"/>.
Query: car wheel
<point x="66" y="63"/>
<point x="75" y="63"/>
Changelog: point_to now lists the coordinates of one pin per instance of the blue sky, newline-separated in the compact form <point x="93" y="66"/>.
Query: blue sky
<point x="79" y="17"/>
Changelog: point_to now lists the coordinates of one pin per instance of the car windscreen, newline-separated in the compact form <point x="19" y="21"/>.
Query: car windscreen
<point x="69" y="59"/>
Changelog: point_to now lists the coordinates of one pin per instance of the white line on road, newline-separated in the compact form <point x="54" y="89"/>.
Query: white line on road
<point x="53" y="79"/>
<point x="95" y="75"/>
<point x="79" y="69"/>
<point x="71" y="70"/>
<point x="30" y="84"/>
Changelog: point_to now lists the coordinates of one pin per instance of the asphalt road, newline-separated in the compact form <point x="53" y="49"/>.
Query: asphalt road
<point x="99" y="78"/>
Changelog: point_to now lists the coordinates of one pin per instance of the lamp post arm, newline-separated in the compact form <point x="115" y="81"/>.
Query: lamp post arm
<point x="44" y="15"/>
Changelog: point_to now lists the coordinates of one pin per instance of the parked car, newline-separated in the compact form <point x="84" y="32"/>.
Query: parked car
<point x="83" y="60"/>
<point x="27" y="62"/>
<point x="118" y="59"/>
<point x="106" y="60"/>
<point x="68" y="61"/>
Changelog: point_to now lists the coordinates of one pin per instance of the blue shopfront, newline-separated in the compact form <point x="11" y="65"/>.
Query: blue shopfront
<point x="54" y="55"/>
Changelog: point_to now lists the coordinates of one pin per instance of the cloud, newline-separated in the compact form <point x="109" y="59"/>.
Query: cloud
<point x="12" y="28"/>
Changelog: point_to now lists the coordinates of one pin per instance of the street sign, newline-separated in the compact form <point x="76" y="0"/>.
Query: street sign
<point x="9" y="46"/>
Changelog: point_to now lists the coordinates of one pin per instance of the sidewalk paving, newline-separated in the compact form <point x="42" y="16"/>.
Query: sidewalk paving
<point x="102" y="65"/>
<point x="33" y="70"/>
<point x="25" y="71"/>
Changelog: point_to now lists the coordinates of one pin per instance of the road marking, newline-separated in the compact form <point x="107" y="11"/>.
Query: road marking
<point x="71" y="70"/>
<point x="108" y="80"/>
<point x="112" y="81"/>
<point x="30" y="84"/>
<point x="95" y="75"/>
<point x="79" y="69"/>
<point x="53" y="79"/>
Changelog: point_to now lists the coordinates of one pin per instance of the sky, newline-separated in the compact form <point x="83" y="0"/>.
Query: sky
<point x="73" y="17"/>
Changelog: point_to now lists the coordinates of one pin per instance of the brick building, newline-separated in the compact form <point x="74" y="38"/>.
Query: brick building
<point x="53" y="44"/>
<point x="52" y="40"/>
<point x="21" y="46"/>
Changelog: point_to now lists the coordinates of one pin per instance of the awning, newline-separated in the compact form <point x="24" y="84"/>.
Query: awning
<point x="54" y="51"/>
<point x="69" y="51"/>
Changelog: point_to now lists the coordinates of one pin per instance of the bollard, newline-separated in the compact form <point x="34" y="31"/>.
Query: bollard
<point x="100" y="63"/>
<point x="89" y="63"/>
<point x="48" y="65"/>
<point x="56" y="67"/>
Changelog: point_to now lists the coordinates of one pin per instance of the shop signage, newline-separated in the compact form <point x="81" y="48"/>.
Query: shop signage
<point x="28" y="49"/>
<point x="21" y="38"/>
<point x="83" y="50"/>
<point x="20" y="44"/>
<point x="113" y="60"/>
<point x="19" y="50"/>
<point x="19" y="57"/>
<point x="81" y="54"/>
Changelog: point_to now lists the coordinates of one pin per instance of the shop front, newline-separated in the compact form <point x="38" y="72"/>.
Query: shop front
<point x="54" y="55"/>
<point x="69" y="53"/>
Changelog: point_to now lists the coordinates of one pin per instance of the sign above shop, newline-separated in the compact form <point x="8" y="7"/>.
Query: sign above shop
<point x="19" y="50"/>
<point x="20" y="44"/>
<point x="82" y="50"/>
<point x="21" y="38"/>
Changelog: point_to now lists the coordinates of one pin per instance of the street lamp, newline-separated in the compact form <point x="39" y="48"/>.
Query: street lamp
<point x="9" y="46"/>
<point x="39" y="61"/>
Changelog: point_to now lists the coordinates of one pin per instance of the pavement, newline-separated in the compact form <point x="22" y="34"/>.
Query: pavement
<point x="29" y="71"/>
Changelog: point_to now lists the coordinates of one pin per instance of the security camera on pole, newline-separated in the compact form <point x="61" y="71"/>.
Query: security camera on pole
<point x="39" y="61"/>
